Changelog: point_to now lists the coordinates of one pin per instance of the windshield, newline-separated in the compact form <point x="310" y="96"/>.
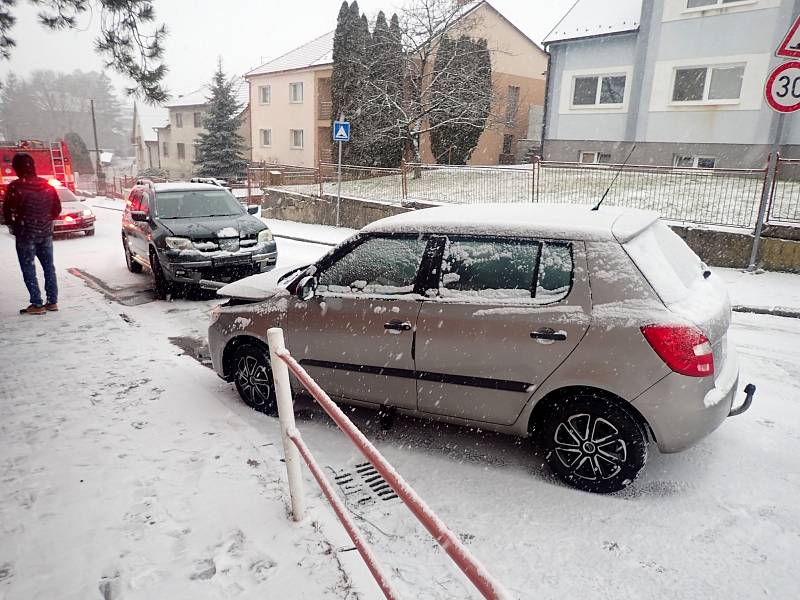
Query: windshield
<point x="186" y="204"/>
<point x="64" y="195"/>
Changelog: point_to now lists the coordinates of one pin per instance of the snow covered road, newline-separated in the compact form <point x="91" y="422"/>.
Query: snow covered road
<point x="131" y="471"/>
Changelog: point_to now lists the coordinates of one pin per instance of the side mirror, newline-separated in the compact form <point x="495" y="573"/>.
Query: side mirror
<point x="254" y="209"/>
<point x="139" y="215"/>
<point x="306" y="288"/>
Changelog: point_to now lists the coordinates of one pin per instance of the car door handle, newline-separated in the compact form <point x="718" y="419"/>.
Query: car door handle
<point x="396" y="326"/>
<point x="547" y="334"/>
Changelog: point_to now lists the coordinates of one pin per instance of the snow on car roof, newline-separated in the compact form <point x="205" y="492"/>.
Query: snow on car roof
<point x="554" y="221"/>
<point x="178" y="186"/>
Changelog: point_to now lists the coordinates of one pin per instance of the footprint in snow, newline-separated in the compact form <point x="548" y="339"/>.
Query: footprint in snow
<point x="204" y="569"/>
<point x="6" y="572"/>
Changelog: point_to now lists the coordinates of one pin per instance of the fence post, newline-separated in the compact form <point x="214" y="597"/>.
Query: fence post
<point x="766" y="192"/>
<point x="534" y="167"/>
<point x="403" y="180"/>
<point x="283" y="395"/>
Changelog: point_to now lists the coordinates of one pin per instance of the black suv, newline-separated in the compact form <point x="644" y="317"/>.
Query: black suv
<point x="188" y="232"/>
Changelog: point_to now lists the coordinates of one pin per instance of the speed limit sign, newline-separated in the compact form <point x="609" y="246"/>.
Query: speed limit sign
<point x="783" y="87"/>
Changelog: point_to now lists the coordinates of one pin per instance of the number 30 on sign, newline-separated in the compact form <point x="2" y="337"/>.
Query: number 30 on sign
<point x="783" y="87"/>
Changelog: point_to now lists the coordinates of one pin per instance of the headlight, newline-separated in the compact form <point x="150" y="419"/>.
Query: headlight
<point x="264" y="236"/>
<point x="87" y="212"/>
<point x="178" y="243"/>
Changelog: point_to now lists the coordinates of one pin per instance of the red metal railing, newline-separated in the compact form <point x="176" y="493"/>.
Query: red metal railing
<point x="488" y="586"/>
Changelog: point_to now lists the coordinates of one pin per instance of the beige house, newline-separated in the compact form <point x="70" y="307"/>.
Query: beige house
<point x="291" y="105"/>
<point x="177" y="139"/>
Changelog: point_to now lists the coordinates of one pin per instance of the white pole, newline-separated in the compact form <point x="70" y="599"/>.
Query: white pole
<point x="339" y="185"/>
<point x="283" y="394"/>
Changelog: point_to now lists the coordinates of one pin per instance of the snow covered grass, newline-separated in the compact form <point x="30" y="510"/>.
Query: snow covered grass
<point x="132" y="472"/>
<point x="678" y="195"/>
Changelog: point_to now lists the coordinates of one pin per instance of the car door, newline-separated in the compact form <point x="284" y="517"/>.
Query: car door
<point x="507" y="313"/>
<point x="356" y="335"/>
<point x="133" y="230"/>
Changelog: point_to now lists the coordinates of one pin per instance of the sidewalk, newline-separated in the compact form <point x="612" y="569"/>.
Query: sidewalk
<point x="131" y="472"/>
<point x="766" y="293"/>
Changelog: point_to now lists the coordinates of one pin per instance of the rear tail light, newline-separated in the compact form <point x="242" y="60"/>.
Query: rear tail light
<point x="684" y="348"/>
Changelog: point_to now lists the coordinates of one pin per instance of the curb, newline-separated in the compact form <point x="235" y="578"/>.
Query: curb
<point x="763" y="310"/>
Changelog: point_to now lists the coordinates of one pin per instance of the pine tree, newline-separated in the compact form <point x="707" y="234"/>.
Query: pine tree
<point x="349" y="77"/>
<point x="385" y="76"/>
<point x="81" y="161"/>
<point x="461" y="114"/>
<point x="220" y="152"/>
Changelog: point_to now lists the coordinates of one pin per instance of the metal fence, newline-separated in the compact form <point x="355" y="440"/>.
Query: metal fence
<point x="708" y="196"/>
<point x="719" y="196"/>
<point x="784" y="203"/>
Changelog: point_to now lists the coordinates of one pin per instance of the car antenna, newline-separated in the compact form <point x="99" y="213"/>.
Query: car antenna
<point x="610" y="185"/>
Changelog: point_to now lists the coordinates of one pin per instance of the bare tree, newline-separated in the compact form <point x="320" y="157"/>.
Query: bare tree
<point x="434" y="94"/>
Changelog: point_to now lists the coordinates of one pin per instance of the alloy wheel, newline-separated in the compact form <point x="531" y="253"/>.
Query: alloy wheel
<point x="254" y="381"/>
<point x="590" y="447"/>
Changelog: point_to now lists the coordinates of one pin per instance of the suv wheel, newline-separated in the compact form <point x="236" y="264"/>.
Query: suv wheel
<point x="133" y="266"/>
<point x="253" y="378"/>
<point x="593" y="443"/>
<point x="163" y="286"/>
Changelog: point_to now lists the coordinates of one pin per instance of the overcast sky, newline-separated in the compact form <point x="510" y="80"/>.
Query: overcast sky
<point x="245" y="33"/>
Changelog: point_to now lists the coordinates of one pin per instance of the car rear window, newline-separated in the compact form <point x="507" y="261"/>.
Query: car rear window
<point x="670" y="266"/>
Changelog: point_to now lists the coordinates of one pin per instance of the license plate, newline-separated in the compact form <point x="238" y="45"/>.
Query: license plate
<point x="230" y="260"/>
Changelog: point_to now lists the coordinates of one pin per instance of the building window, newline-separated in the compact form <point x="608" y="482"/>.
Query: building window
<point x="265" y="94"/>
<point x="694" y="162"/>
<point x="198" y="120"/>
<point x="165" y="149"/>
<point x="296" y="138"/>
<point x="181" y="152"/>
<point x="512" y="103"/>
<point x="198" y="153"/>
<point x="708" y="3"/>
<point x="266" y="137"/>
<point x="698" y="84"/>
<point x="178" y="119"/>
<point x="594" y="158"/>
<point x="296" y="93"/>
<point x="598" y="90"/>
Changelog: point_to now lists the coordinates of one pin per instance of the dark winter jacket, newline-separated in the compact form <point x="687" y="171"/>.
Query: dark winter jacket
<point x="30" y="207"/>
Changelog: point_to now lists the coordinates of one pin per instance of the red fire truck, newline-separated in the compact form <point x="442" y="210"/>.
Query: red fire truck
<point x="53" y="162"/>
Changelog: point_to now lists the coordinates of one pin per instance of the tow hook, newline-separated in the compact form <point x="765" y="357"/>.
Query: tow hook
<point x="749" y="391"/>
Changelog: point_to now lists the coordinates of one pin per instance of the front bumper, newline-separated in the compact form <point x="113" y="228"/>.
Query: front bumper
<point x="227" y="269"/>
<point x="75" y="226"/>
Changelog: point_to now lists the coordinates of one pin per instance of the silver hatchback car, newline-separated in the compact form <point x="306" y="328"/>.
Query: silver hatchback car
<point x="594" y="332"/>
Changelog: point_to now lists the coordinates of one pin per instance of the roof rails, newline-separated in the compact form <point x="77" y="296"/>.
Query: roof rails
<point x="145" y="181"/>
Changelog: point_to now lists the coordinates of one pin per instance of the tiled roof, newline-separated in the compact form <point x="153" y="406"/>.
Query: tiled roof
<point x="317" y="52"/>
<point x="590" y="18"/>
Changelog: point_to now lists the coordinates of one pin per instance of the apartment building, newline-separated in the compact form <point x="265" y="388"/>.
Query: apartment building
<point x="178" y="136"/>
<point x="291" y="103"/>
<point x="683" y="79"/>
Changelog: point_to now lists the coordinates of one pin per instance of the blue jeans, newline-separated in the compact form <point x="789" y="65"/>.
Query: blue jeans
<point x="28" y="249"/>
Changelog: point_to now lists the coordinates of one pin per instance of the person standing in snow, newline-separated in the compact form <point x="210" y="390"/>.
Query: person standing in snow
<point x="30" y="207"/>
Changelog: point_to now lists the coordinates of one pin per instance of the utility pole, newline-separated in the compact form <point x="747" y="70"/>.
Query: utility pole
<point x="101" y="177"/>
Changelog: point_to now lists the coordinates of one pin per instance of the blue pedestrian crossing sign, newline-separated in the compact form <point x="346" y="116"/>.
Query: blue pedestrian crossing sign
<point x="341" y="131"/>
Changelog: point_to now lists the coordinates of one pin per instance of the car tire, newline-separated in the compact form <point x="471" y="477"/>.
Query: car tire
<point x="163" y="287"/>
<point x="89" y="232"/>
<point x="593" y="443"/>
<point x="252" y="376"/>
<point x="133" y="266"/>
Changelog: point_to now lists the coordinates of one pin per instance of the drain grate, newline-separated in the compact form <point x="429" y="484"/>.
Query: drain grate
<point x="363" y="487"/>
